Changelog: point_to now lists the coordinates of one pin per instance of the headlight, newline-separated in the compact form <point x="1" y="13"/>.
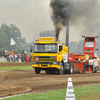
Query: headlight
<point x="55" y="62"/>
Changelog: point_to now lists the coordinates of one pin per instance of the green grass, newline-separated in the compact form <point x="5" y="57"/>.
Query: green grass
<point x="86" y="91"/>
<point x="16" y="67"/>
<point x="81" y="93"/>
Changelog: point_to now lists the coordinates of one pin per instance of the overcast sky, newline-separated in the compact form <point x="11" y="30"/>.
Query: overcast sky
<point x="31" y="17"/>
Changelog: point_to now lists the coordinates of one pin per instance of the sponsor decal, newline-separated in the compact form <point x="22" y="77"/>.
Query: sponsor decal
<point x="81" y="57"/>
<point x="70" y="58"/>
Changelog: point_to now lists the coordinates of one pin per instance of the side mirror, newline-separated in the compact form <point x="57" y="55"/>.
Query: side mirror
<point x="60" y="48"/>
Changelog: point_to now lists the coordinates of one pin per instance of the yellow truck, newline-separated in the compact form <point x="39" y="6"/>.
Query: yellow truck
<point x="49" y="55"/>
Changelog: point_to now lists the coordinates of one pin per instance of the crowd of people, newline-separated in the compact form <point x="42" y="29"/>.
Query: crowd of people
<point x="18" y="57"/>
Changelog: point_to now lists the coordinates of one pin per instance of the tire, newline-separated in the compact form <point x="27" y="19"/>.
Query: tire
<point x="96" y="69"/>
<point x="37" y="70"/>
<point x="71" y="70"/>
<point x="93" y="70"/>
<point x="61" y="70"/>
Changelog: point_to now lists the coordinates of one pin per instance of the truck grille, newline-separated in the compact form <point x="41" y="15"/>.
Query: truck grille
<point x="44" y="59"/>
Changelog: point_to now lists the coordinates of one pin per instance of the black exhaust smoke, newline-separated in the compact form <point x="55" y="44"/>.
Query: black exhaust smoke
<point x="59" y="15"/>
<point x="84" y="15"/>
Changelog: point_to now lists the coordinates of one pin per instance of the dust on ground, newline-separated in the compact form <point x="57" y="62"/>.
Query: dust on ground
<point x="26" y="81"/>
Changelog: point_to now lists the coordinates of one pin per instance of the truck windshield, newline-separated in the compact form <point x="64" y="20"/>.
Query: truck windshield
<point x="45" y="48"/>
<point x="89" y="44"/>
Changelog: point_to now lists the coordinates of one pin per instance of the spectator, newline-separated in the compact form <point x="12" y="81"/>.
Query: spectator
<point x="19" y="58"/>
<point x="15" y="58"/>
<point x="10" y="57"/>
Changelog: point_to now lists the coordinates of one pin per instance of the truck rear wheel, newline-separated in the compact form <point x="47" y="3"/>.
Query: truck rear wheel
<point x="93" y="70"/>
<point x="61" y="70"/>
<point x="71" y="69"/>
<point x="37" y="70"/>
<point x="96" y="69"/>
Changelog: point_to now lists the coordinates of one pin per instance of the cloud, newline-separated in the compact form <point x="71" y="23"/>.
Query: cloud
<point x="33" y="17"/>
<point x="30" y="16"/>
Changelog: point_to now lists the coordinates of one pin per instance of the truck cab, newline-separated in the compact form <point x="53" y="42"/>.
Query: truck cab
<point x="90" y="46"/>
<point x="49" y="55"/>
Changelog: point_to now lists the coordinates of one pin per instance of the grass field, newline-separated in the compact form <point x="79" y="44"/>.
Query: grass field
<point x="16" y="67"/>
<point x="91" y="92"/>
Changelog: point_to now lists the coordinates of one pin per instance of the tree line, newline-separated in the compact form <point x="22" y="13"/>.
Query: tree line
<point x="11" y="31"/>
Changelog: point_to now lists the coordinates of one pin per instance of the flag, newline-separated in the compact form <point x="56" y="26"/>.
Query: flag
<point x="12" y="42"/>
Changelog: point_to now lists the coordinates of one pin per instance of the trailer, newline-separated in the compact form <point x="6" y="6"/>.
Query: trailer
<point x="84" y="63"/>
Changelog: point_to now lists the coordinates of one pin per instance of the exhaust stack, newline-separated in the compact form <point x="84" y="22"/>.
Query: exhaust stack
<point x="67" y="34"/>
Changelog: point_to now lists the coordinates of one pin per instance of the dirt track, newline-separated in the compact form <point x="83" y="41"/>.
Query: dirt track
<point x="23" y="81"/>
<point x="15" y="64"/>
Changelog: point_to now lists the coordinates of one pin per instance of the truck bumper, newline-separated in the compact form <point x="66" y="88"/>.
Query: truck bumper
<point x="45" y="66"/>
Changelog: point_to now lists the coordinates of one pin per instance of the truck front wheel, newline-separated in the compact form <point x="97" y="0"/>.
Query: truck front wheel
<point x="61" y="70"/>
<point x="37" y="70"/>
